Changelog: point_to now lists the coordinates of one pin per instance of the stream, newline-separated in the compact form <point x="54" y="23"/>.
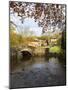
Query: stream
<point x="38" y="72"/>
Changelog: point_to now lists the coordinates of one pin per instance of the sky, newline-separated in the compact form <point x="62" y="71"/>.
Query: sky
<point x="28" y="23"/>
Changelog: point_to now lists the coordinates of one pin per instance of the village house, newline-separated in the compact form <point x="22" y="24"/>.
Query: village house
<point x="38" y="43"/>
<point x="34" y="44"/>
<point x="53" y="41"/>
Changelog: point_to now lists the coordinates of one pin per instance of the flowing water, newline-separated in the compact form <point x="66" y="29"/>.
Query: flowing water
<point x="38" y="72"/>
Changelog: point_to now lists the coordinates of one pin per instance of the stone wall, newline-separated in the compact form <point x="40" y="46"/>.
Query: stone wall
<point x="39" y="51"/>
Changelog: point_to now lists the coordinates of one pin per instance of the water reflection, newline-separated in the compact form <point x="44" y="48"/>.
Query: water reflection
<point x="38" y="71"/>
<point x="52" y="64"/>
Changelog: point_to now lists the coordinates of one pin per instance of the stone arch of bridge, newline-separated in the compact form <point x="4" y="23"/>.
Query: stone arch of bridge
<point x="26" y="52"/>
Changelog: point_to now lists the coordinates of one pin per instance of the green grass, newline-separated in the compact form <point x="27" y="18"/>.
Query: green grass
<point x="55" y="49"/>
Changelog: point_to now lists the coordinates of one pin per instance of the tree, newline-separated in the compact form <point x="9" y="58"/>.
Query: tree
<point x="45" y="14"/>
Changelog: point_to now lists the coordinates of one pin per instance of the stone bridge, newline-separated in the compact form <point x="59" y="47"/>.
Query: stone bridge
<point x="37" y="51"/>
